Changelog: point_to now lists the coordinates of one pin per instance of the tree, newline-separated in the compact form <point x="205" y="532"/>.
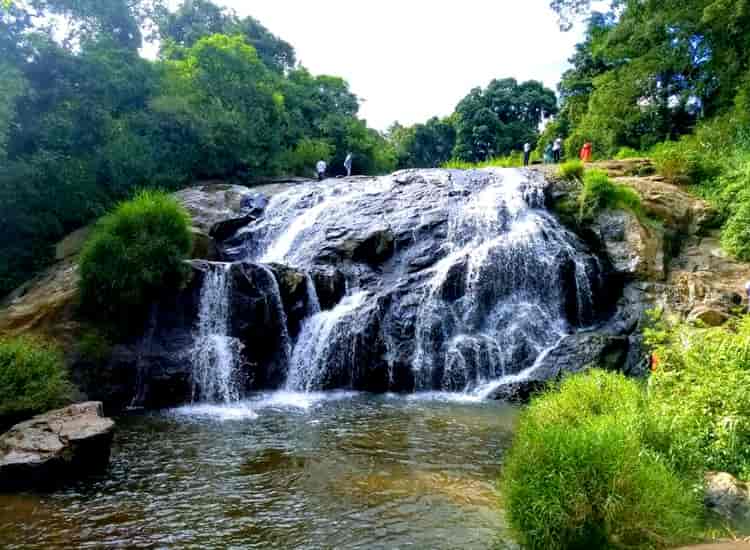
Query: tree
<point x="197" y="19"/>
<point x="501" y="118"/>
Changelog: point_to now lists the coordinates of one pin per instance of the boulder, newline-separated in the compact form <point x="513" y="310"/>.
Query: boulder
<point x="634" y="249"/>
<point x="60" y="445"/>
<point x="708" y="316"/>
<point x="726" y="496"/>
<point x="214" y="202"/>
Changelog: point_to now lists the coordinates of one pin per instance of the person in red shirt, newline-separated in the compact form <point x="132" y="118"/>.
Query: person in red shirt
<point x="586" y="152"/>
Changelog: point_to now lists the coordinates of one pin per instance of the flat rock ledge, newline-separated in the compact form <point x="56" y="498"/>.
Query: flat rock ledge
<point x="59" y="445"/>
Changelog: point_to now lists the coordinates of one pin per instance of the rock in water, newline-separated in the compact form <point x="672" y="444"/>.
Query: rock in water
<point x="62" y="444"/>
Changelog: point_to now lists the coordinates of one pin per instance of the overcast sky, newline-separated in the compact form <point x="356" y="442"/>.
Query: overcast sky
<point x="411" y="59"/>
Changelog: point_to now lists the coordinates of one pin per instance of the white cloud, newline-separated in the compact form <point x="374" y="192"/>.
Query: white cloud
<point x="412" y="59"/>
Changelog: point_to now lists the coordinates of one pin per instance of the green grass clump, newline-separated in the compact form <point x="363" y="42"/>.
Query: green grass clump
<point x="33" y="378"/>
<point x="600" y="192"/>
<point x="699" y="397"/>
<point x="133" y="255"/>
<point x="628" y="153"/>
<point x="580" y="476"/>
<point x="514" y="160"/>
<point x="735" y="237"/>
<point x="571" y="170"/>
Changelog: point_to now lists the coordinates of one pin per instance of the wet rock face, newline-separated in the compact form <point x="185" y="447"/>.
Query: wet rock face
<point x="60" y="445"/>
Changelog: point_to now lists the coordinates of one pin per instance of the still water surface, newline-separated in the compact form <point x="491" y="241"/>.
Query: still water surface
<point x="286" y="471"/>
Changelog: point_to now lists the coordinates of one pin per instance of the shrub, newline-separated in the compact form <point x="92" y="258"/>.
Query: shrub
<point x="133" y="255"/>
<point x="571" y="170"/>
<point x="301" y="161"/>
<point x="735" y="237"/>
<point x="578" y="474"/>
<point x="33" y="378"/>
<point x="514" y="160"/>
<point x="628" y="153"/>
<point x="600" y="192"/>
<point x="685" y="161"/>
<point x="699" y="397"/>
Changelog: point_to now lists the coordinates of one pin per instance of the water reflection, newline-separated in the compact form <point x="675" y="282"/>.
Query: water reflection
<point x="301" y="471"/>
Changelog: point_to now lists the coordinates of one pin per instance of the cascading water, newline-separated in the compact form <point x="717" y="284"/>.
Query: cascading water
<point x="215" y="355"/>
<point x="461" y="278"/>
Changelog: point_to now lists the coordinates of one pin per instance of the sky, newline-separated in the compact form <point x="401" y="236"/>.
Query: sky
<point x="409" y="60"/>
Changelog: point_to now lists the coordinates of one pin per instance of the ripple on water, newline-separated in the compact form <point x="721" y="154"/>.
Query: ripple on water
<point x="285" y="470"/>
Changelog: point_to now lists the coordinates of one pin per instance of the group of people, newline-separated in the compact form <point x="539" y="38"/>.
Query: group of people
<point x="553" y="152"/>
<point x="322" y="166"/>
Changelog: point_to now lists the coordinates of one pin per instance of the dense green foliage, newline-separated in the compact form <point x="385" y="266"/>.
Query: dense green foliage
<point x="580" y="474"/>
<point x="699" y="397"/>
<point x="85" y="120"/>
<point x="33" y="378"/>
<point x="133" y="255"/>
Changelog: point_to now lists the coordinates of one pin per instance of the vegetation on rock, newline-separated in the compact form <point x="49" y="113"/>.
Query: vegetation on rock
<point x="133" y="255"/>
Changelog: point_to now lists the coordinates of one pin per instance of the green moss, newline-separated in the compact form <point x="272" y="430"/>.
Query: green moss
<point x="133" y="256"/>
<point x="33" y="378"/>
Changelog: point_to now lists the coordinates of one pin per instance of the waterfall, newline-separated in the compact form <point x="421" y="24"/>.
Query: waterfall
<point x="481" y="280"/>
<point x="274" y="295"/>
<point x="215" y="355"/>
<point x="316" y="344"/>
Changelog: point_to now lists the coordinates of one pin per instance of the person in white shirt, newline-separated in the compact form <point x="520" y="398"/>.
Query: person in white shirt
<point x="321" y="168"/>
<point x="348" y="164"/>
<point x="526" y="153"/>
<point x="747" y="289"/>
<point x="557" y="150"/>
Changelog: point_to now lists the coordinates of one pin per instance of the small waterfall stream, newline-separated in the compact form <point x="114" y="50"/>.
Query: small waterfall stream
<point x="215" y="356"/>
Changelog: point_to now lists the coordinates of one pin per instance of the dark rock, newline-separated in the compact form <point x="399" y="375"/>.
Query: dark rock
<point x="376" y="248"/>
<point x="575" y="353"/>
<point x="330" y="285"/>
<point x="226" y="228"/>
<point x="727" y="496"/>
<point x="60" y="445"/>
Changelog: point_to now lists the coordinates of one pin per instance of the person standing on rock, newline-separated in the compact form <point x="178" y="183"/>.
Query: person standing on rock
<point x="321" y="168"/>
<point x="548" y="154"/>
<point x="557" y="150"/>
<point x="747" y="290"/>
<point x="348" y="164"/>
<point x="526" y="153"/>
<point x="586" y="152"/>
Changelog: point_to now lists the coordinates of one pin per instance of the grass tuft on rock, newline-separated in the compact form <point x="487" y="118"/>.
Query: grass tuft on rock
<point x="600" y="192"/>
<point x="571" y="170"/>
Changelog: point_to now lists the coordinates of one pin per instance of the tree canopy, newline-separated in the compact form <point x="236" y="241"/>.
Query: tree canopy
<point x="85" y="120"/>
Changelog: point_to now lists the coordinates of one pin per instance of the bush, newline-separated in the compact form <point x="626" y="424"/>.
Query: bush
<point x="33" y="378"/>
<point x="578" y="474"/>
<point x="735" y="237"/>
<point x="571" y="170"/>
<point x="301" y="161"/>
<point x="699" y="397"/>
<point x="685" y="161"/>
<point x="133" y="255"/>
<point x="628" y="153"/>
<point x="600" y="192"/>
<point x="514" y="160"/>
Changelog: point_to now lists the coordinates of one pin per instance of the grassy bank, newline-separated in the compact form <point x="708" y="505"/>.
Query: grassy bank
<point x="602" y="461"/>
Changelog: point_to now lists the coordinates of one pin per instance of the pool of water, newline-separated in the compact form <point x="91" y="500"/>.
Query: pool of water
<point x="285" y="470"/>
